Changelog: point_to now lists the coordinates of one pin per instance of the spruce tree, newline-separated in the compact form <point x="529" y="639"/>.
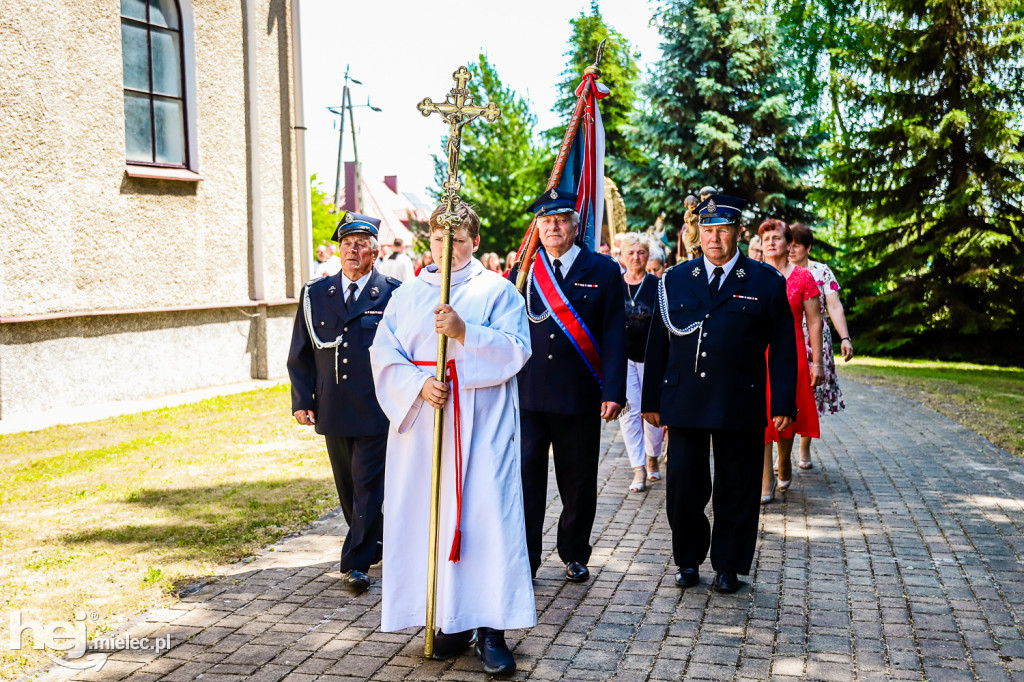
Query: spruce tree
<point x="720" y="110"/>
<point x="502" y="167"/>
<point x="619" y="71"/>
<point x="934" y="163"/>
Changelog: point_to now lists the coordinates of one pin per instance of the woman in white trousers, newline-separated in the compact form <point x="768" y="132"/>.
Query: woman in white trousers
<point x="643" y="441"/>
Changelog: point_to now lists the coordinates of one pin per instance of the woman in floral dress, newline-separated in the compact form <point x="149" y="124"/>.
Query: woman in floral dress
<point x="828" y="395"/>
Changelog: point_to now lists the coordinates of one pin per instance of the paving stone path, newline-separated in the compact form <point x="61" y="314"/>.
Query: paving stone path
<point x="899" y="556"/>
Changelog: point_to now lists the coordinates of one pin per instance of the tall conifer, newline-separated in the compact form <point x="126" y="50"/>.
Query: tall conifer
<point x="619" y="71"/>
<point x="934" y="163"/>
<point x="720" y="111"/>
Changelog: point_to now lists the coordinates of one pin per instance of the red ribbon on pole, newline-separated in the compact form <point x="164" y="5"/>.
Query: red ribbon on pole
<point x="453" y="376"/>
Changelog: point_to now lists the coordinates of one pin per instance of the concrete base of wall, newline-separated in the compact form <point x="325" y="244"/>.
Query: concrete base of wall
<point x="69" y="366"/>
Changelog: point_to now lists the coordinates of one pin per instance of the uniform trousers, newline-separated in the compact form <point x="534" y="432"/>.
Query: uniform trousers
<point x="575" y="440"/>
<point x="358" y="464"/>
<point x="642" y="440"/>
<point x="735" y="496"/>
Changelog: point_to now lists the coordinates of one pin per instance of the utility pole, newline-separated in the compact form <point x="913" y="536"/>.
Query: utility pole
<point x="346" y="103"/>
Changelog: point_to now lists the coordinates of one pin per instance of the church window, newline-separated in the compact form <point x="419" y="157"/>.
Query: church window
<point x="156" y="116"/>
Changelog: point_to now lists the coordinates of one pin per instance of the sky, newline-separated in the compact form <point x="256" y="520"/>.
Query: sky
<point x="406" y="50"/>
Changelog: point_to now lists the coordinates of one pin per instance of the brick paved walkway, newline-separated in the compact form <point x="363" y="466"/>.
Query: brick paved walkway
<point x="898" y="556"/>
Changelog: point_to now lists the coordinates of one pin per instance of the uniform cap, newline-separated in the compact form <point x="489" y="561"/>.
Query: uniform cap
<point x="553" y="201"/>
<point x="353" y="223"/>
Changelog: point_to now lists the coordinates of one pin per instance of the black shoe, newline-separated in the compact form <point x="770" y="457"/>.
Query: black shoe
<point x="450" y="646"/>
<point x="726" y="582"/>
<point x="494" y="653"/>
<point x="358" y="580"/>
<point x="576" y="572"/>
<point x="687" y="577"/>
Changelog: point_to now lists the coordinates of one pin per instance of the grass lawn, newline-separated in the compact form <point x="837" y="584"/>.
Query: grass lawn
<point x="115" y="516"/>
<point x="985" y="398"/>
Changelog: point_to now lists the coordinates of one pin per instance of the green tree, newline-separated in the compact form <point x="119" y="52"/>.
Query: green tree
<point x="722" y="110"/>
<point x="324" y="217"/>
<point x="502" y="167"/>
<point x="934" y="165"/>
<point x="619" y="71"/>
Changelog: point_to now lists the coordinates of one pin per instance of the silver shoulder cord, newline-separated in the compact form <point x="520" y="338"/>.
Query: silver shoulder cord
<point x="676" y="331"/>
<point x="307" y="312"/>
<point x="536" y="319"/>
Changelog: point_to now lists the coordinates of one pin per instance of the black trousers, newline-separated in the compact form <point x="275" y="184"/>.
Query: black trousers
<point x="358" y="464"/>
<point x="576" y="441"/>
<point x="735" y="496"/>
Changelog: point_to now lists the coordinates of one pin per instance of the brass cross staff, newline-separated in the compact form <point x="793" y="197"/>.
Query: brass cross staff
<point x="457" y="110"/>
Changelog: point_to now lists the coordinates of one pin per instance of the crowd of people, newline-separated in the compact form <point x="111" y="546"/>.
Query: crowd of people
<point x="723" y="348"/>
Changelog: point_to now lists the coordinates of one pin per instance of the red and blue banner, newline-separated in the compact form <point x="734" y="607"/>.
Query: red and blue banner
<point x="565" y="316"/>
<point x="584" y="165"/>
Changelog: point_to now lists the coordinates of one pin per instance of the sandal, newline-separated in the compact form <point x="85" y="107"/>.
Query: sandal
<point x="784" y="485"/>
<point x="638" y="480"/>
<point x="805" y="464"/>
<point x="652" y="470"/>
<point x="765" y="499"/>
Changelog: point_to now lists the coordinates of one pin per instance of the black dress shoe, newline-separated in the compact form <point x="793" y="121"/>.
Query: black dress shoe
<point x="726" y="582"/>
<point x="358" y="580"/>
<point x="494" y="653"/>
<point x="576" y="572"/>
<point x="450" y="646"/>
<point x="687" y="577"/>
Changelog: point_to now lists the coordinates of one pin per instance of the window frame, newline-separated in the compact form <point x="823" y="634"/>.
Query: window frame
<point x="186" y="58"/>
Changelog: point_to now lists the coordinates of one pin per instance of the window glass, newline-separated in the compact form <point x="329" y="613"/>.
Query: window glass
<point x="136" y="61"/>
<point x="163" y="13"/>
<point x="136" y="9"/>
<point x="169" y="130"/>
<point x="166" y="62"/>
<point x="138" y="135"/>
<point x="154" y="104"/>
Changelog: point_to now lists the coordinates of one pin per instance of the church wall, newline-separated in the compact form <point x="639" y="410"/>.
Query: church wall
<point x="80" y="236"/>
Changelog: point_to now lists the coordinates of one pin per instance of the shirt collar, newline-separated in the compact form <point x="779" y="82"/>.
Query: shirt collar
<point x="709" y="267"/>
<point x="360" y="283"/>
<point x="566" y="258"/>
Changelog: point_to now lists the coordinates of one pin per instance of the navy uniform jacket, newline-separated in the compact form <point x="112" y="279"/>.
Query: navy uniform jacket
<point x="723" y="385"/>
<point x="348" y="407"/>
<point x="555" y="379"/>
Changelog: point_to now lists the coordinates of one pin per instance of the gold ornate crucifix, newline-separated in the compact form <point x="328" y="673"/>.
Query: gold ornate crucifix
<point x="457" y="110"/>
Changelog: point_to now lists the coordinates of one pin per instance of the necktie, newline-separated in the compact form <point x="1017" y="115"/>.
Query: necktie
<point x="350" y="301"/>
<point x="716" y="281"/>
<point x="558" y="271"/>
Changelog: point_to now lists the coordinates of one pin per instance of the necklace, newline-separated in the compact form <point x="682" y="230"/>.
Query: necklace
<point x="632" y="296"/>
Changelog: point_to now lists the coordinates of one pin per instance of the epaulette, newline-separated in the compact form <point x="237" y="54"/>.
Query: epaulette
<point x="609" y="257"/>
<point x="769" y="267"/>
<point x="391" y="280"/>
<point x="317" y="280"/>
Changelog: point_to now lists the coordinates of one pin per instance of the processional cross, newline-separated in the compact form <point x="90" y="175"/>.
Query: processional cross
<point x="457" y="111"/>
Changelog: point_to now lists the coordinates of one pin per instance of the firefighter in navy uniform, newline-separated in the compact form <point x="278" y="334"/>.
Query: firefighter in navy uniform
<point x="332" y="388"/>
<point x="704" y="378"/>
<point x="560" y="396"/>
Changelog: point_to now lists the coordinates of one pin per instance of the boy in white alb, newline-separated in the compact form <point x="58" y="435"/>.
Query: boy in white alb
<point x="483" y="579"/>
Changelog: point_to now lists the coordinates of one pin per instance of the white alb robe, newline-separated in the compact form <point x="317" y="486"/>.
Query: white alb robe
<point x="491" y="585"/>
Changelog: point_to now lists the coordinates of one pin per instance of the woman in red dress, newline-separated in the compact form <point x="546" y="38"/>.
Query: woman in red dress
<point x="802" y="292"/>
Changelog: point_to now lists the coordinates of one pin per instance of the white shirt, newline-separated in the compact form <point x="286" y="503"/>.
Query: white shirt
<point x="360" y="284"/>
<point x="399" y="266"/>
<point x="709" y="267"/>
<point x="332" y="266"/>
<point x="566" y="259"/>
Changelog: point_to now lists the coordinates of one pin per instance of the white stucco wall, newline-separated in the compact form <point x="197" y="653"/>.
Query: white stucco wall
<point x="79" y="235"/>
